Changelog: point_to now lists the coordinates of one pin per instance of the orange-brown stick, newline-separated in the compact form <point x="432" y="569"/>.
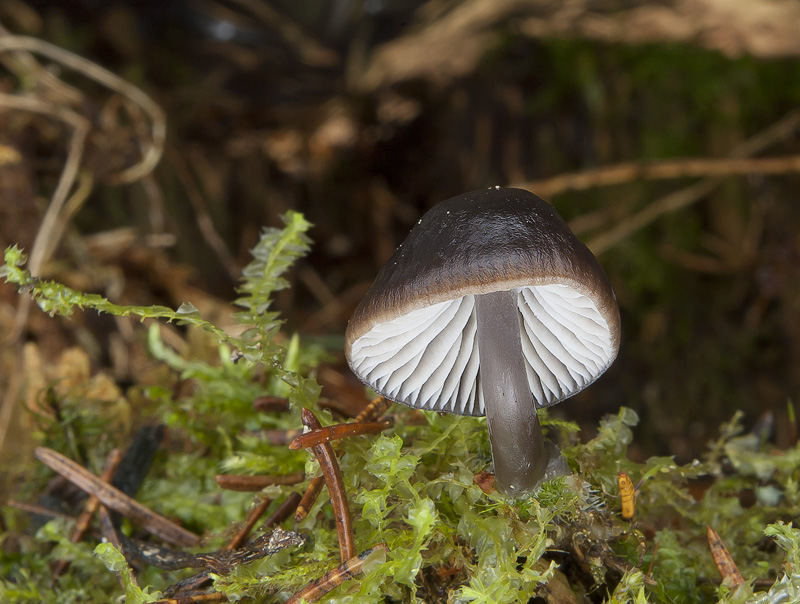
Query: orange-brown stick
<point x="90" y="507"/>
<point x="262" y="503"/>
<point x="271" y="404"/>
<point x="237" y="482"/>
<point x="374" y="409"/>
<point x="309" y="498"/>
<point x="333" y="479"/>
<point x="722" y="558"/>
<point x="283" y="511"/>
<point x="336" y="432"/>
<point x="332" y="579"/>
<point x="112" y="461"/>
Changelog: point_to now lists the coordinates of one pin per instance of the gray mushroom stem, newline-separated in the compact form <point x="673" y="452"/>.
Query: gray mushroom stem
<point x="518" y="447"/>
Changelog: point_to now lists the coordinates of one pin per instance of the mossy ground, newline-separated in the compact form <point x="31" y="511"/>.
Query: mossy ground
<point x="412" y="487"/>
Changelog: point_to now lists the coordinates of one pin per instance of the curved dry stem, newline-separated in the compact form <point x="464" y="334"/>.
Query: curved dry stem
<point x="25" y="67"/>
<point x="93" y="71"/>
<point x="80" y="126"/>
<point x="687" y="167"/>
<point x="691" y="194"/>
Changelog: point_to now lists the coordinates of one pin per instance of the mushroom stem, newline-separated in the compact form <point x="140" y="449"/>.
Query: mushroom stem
<point x="518" y="449"/>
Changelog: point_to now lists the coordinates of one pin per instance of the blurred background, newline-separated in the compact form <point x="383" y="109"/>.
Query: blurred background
<point x="667" y="133"/>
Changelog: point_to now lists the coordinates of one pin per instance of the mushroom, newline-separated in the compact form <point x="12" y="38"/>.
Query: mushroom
<point x="491" y="306"/>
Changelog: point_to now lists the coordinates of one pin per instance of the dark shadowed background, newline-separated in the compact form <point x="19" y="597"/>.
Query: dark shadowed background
<point x="684" y="119"/>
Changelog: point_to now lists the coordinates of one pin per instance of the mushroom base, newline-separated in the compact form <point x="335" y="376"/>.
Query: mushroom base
<point x="521" y="458"/>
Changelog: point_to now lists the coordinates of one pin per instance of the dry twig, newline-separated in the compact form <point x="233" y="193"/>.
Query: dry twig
<point x="110" y="534"/>
<point x="82" y="524"/>
<point x="222" y="561"/>
<point x="308" y="49"/>
<point x="279" y="515"/>
<point x="237" y="482"/>
<point x="333" y="479"/>
<point x="336" y="432"/>
<point x="262" y="503"/>
<point x="116" y="500"/>
<point x="309" y="497"/>
<point x="452" y="43"/>
<point x="374" y="409"/>
<point x="332" y="579"/>
<point x="111" y="81"/>
<point x="280" y="437"/>
<point x="205" y="223"/>
<point x="271" y="404"/>
<point x="60" y="101"/>
<point x="693" y="193"/>
<point x="37" y="510"/>
<point x="689" y="167"/>
<point x="90" y="507"/>
<point x="283" y="511"/>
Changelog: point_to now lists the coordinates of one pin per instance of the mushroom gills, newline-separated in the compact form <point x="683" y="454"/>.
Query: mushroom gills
<point x="565" y="340"/>
<point x="428" y="358"/>
<point x="434" y="347"/>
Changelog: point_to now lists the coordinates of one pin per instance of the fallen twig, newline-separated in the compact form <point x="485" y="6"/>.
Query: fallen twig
<point x="90" y="507"/>
<point x="280" y="438"/>
<point x="107" y="527"/>
<point x="309" y="497"/>
<point x="332" y="579"/>
<point x="374" y="409"/>
<point x="112" y="81"/>
<point x="111" y="535"/>
<point x="333" y="479"/>
<point x="81" y="526"/>
<point x="688" y="167"/>
<point x="38" y="510"/>
<point x="336" y="432"/>
<point x="202" y="218"/>
<point x="222" y="561"/>
<point x="262" y="503"/>
<point x="307" y="48"/>
<point x="283" y="511"/>
<point x="271" y="404"/>
<point x="237" y="482"/>
<point x="685" y="197"/>
<point x="117" y="500"/>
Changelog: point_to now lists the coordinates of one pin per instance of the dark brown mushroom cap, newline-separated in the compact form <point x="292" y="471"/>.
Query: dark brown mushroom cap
<point x="487" y="240"/>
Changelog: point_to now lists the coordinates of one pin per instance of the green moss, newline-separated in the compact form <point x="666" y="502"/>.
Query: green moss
<point x="411" y="488"/>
